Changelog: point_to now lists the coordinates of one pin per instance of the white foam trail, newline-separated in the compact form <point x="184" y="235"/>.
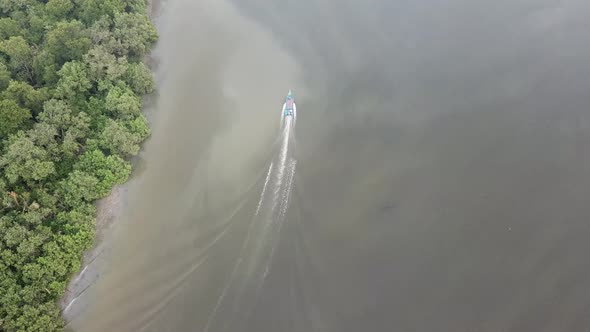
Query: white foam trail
<point x="287" y="192"/>
<point x="180" y="280"/>
<point x="72" y="302"/>
<point x="222" y="296"/>
<point x="81" y="274"/>
<point x="264" y="189"/>
<point x="282" y="159"/>
<point x="255" y="258"/>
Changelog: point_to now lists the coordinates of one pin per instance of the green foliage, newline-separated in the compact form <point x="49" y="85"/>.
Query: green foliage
<point x="81" y="218"/>
<point x="139" y="78"/>
<point x="45" y="69"/>
<point x="104" y="66"/>
<point x="79" y="188"/>
<point x="120" y="139"/>
<point x="25" y="95"/>
<point x="60" y="131"/>
<point x="109" y="170"/>
<point x="12" y="117"/>
<point x="92" y="10"/>
<point x="20" y="57"/>
<point x="71" y="82"/>
<point x="11" y="6"/>
<point x="122" y="102"/>
<point x="97" y="110"/>
<point x="60" y="116"/>
<point x="140" y="127"/>
<point x="37" y="26"/>
<point x="135" y="6"/>
<point x="134" y="34"/>
<point x="67" y="41"/>
<point x="59" y="9"/>
<point x="26" y="161"/>
<point x="4" y="76"/>
<point x="100" y="32"/>
<point x="9" y="28"/>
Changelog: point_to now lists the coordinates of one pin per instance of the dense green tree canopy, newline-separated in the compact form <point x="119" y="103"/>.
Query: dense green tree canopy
<point x="24" y="160"/>
<point x="12" y="117"/>
<point x="4" y="76"/>
<point x="123" y="138"/>
<point x="68" y="40"/>
<point x="19" y="56"/>
<point x="134" y="33"/>
<point x="139" y="77"/>
<point x="91" y="10"/>
<point x="25" y="95"/>
<point x="59" y="9"/>
<point x="9" y="28"/>
<point x="71" y="81"/>
<point x="103" y="65"/>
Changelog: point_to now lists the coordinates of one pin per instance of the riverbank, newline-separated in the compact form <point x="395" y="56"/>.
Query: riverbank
<point x="108" y="216"/>
<point x="108" y="213"/>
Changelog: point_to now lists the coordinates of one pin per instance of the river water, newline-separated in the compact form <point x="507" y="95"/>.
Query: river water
<point x="437" y="178"/>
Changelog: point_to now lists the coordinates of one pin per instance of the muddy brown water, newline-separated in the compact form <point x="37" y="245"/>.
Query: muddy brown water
<point x="441" y="183"/>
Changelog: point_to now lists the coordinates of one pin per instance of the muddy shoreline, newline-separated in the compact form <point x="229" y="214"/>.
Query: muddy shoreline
<point x="108" y="216"/>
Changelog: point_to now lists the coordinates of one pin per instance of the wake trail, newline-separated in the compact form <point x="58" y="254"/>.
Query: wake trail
<point x="264" y="189"/>
<point x="282" y="160"/>
<point x="239" y="295"/>
<point x="280" y="220"/>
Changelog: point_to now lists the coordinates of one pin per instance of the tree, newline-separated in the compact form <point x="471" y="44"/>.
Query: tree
<point x="37" y="26"/>
<point x="12" y="117"/>
<point x="102" y="65"/>
<point x="44" y="317"/>
<point x="92" y="10"/>
<point x="59" y="9"/>
<point x="134" y="33"/>
<point x="117" y="138"/>
<point x="70" y="97"/>
<point x="77" y="219"/>
<point x="20" y="57"/>
<point x="44" y="135"/>
<point x="4" y="76"/>
<point x="73" y="81"/>
<point x="2" y="190"/>
<point x="25" y="95"/>
<point x="45" y="68"/>
<point x="24" y="160"/>
<point x="98" y="114"/>
<point x="59" y="119"/>
<point x="9" y="28"/>
<point x="139" y="77"/>
<point x="139" y="126"/>
<point x="109" y="170"/>
<point x="10" y="6"/>
<point x="100" y="31"/>
<point x="67" y="41"/>
<point x="57" y="114"/>
<point x="122" y="101"/>
<point x="78" y="188"/>
<point x="75" y="135"/>
<point x="135" y="6"/>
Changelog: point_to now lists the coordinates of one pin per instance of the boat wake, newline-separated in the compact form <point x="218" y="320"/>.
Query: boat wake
<point x="254" y="262"/>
